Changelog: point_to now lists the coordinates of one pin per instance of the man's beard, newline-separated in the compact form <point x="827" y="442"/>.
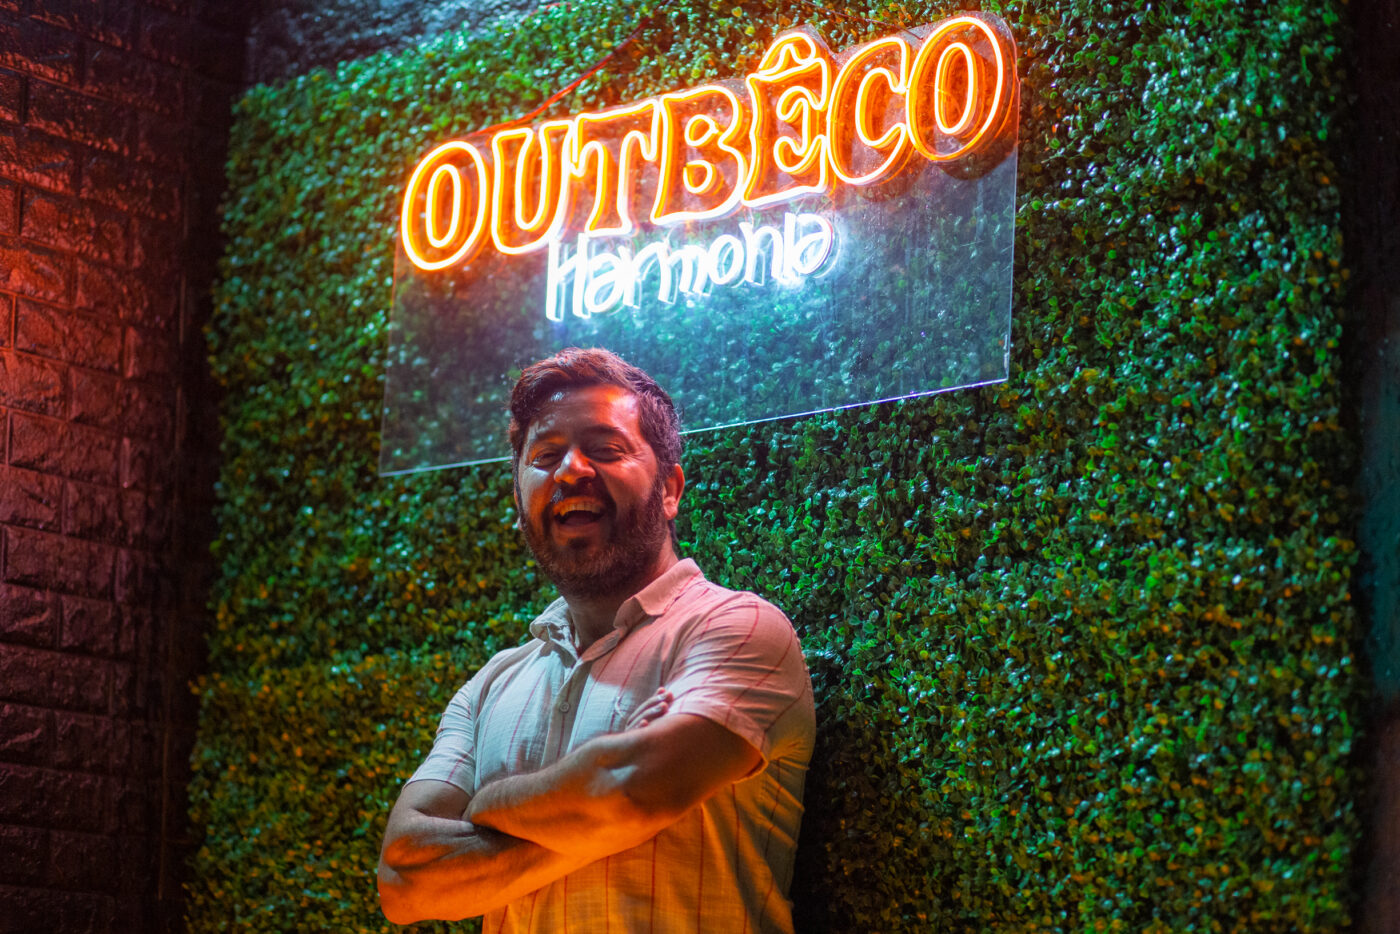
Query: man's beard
<point x="619" y="562"/>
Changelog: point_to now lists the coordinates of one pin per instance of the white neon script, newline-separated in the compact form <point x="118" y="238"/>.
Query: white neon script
<point x="591" y="280"/>
<point x="803" y="122"/>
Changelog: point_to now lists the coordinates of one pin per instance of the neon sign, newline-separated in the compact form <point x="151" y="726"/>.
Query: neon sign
<point x="593" y="282"/>
<point x="803" y="122"/>
<point x="827" y="229"/>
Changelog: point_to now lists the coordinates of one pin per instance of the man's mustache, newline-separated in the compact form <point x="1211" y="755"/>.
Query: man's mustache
<point x="589" y="488"/>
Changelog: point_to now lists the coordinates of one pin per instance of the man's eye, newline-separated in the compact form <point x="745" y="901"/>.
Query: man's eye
<point x="606" y="452"/>
<point x="543" y="458"/>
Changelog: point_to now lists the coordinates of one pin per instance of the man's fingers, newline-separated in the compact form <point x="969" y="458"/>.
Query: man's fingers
<point x="650" y="709"/>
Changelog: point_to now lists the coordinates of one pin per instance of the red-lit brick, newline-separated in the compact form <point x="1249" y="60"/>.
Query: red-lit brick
<point x="63" y="335"/>
<point x="75" y="226"/>
<point x="9" y="208"/>
<point x="31" y="383"/>
<point x="83" y="683"/>
<point x="82" y="861"/>
<point x="161" y="141"/>
<point x="11" y="96"/>
<point x="129" y="187"/>
<point x="111" y="22"/>
<point x="34" y="271"/>
<point x="149" y="354"/>
<point x="126" y="77"/>
<point x="137" y="530"/>
<point x="38" y="159"/>
<point x="80" y="118"/>
<point x="92" y="455"/>
<point x="123" y="696"/>
<point x="149" y="411"/>
<point x="93" y="512"/>
<point x="110" y="292"/>
<point x="28" y="616"/>
<point x="36" y="49"/>
<point x="31" y="499"/>
<point x="26" y="676"/>
<point x="24" y="735"/>
<point x="155" y="249"/>
<point x="136" y="573"/>
<point x="83" y="742"/>
<point x="48" y="798"/>
<point x="97" y="400"/>
<point x="45" y="909"/>
<point x="145" y="466"/>
<point x="37" y="443"/>
<point x="166" y="38"/>
<point x="55" y="562"/>
<point x="136" y="625"/>
<point x="26" y="852"/>
<point x="90" y="626"/>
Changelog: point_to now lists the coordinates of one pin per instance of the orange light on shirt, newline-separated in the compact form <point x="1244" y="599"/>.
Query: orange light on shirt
<point x="803" y="121"/>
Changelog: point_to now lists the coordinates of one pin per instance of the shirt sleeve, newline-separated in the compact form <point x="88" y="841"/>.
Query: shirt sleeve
<point x="741" y="666"/>
<point x="453" y="756"/>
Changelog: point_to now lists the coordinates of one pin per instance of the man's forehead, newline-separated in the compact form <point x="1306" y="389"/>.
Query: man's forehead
<point x="597" y="408"/>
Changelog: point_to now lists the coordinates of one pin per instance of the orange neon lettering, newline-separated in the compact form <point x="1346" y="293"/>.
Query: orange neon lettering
<point x="802" y="118"/>
<point x="423" y="208"/>
<point x="701" y="166"/>
<point x="527" y="182"/>
<point x="955" y="139"/>
<point x="863" y="111"/>
<point x="789" y="94"/>
<point x="609" y="197"/>
<point x="943" y="81"/>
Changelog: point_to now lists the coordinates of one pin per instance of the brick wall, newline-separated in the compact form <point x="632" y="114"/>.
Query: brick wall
<point x="113" y="116"/>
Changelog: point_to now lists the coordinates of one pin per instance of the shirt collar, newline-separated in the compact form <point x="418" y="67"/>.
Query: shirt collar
<point x="554" y="625"/>
<point x="656" y="598"/>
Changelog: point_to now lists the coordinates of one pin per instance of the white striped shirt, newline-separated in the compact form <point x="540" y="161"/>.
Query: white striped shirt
<point x="728" y="656"/>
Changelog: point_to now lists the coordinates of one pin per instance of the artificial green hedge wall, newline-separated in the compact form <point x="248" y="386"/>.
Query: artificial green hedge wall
<point x="1081" y="641"/>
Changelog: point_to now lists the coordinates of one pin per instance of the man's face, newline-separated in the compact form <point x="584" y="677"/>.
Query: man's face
<point x="593" y="507"/>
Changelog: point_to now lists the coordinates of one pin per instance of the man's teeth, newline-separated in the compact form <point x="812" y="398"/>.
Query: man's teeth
<point x="578" y="512"/>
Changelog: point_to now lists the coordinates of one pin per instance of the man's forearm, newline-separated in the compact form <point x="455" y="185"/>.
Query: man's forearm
<point x="450" y="869"/>
<point x="583" y="805"/>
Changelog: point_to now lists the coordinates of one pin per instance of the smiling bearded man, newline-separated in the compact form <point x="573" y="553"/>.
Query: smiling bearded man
<point x="631" y="545"/>
<point x="638" y="763"/>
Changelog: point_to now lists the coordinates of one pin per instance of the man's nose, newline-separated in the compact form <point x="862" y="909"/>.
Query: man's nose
<point x="573" y="467"/>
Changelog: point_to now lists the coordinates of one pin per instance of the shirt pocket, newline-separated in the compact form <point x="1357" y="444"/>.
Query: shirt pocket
<point x="608" y="708"/>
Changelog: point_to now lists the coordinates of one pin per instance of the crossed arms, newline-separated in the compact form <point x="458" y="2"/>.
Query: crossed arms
<point x="450" y="855"/>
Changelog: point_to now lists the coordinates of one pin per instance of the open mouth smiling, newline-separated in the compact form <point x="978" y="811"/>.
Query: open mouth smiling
<point x="578" y="510"/>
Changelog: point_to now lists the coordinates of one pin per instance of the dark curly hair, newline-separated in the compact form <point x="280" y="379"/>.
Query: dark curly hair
<point x="576" y="368"/>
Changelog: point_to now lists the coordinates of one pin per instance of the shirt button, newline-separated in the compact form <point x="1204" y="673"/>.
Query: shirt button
<point x="563" y="706"/>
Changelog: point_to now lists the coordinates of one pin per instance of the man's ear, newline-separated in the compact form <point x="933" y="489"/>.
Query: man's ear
<point x="674" y="488"/>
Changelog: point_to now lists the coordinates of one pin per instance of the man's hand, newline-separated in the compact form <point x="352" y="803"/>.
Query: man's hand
<point x="618" y="790"/>
<point x="653" y="708"/>
<point x="434" y="864"/>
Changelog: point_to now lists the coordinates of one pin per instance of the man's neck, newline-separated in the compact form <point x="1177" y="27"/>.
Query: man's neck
<point x="593" y="617"/>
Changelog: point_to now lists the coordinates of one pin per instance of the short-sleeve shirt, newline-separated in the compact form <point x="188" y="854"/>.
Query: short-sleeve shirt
<point x="725" y="655"/>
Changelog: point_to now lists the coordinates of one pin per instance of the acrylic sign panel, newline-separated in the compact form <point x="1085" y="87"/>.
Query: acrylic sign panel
<point x="835" y="229"/>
